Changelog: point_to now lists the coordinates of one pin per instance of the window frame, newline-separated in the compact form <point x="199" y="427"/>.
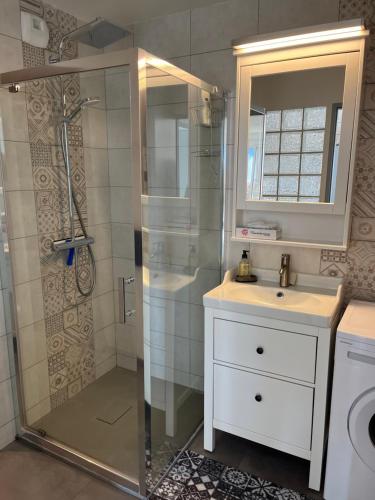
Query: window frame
<point x="246" y="71"/>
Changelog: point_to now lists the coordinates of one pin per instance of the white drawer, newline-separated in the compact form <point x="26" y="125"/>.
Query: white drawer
<point x="274" y="351"/>
<point x="284" y="412"/>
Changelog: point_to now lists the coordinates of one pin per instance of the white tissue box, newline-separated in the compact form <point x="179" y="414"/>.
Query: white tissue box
<point x="259" y="234"/>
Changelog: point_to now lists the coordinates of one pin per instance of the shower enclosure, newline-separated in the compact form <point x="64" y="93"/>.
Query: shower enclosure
<point x="110" y="380"/>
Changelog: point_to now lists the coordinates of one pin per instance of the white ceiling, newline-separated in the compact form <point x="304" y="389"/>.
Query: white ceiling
<point x="125" y="12"/>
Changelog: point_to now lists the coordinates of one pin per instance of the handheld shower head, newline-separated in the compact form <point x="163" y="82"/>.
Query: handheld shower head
<point x="87" y="101"/>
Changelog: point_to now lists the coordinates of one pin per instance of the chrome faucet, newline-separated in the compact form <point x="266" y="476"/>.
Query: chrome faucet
<point x="285" y="270"/>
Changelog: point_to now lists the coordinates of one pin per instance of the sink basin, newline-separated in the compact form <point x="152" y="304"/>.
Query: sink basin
<point x="165" y="282"/>
<point x="272" y="296"/>
<point x="314" y="303"/>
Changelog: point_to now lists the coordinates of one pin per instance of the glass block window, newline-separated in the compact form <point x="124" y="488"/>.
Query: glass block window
<point x="293" y="154"/>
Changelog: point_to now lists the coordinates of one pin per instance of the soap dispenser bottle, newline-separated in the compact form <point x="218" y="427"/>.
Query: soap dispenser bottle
<point x="244" y="265"/>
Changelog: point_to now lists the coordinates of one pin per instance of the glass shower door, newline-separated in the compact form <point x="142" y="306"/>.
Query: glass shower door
<point x="77" y="358"/>
<point x="182" y="222"/>
<point x="98" y="372"/>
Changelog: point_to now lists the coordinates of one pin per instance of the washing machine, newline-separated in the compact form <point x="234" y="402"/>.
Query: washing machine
<point x="350" y="472"/>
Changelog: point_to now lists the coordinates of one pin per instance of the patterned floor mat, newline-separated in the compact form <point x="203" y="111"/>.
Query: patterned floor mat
<point x="196" y="477"/>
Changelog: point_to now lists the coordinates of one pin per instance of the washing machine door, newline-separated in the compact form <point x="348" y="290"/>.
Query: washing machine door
<point x="361" y="426"/>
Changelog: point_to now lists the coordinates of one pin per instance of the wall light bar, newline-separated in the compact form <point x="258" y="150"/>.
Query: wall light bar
<point x="306" y="36"/>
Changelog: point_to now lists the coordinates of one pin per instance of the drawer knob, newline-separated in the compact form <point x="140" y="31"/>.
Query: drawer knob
<point x="260" y="350"/>
<point x="258" y="398"/>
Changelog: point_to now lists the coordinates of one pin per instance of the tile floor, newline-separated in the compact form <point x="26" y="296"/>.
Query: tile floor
<point x="93" y="420"/>
<point x="196" y="477"/>
<point x="280" y="468"/>
<point x="28" y="474"/>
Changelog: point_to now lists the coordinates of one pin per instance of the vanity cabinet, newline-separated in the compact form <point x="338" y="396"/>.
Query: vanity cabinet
<point x="266" y="380"/>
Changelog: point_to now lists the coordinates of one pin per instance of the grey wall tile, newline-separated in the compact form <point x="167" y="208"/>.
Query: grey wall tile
<point x="167" y="36"/>
<point x="17" y="165"/>
<point x="10" y="19"/>
<point x="217" y="68"/>
<point x="10" y="53"/>
<point x="276" y="15"/>
<point x="215" y="26"/>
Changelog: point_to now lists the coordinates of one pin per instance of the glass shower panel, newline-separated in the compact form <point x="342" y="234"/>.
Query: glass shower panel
<point x="182" y="225"/>
<point x="77" y="360"/>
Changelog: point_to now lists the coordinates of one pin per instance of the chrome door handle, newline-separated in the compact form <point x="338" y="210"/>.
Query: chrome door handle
<point x="123" y="313"/>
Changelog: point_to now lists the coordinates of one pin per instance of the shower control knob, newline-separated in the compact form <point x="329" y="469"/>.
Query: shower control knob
<point x="130" y="313"/>
<point x="130" y="280"/>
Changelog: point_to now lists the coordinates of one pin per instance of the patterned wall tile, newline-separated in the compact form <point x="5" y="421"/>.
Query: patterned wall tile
<point x="88" y="364"/>
<point x="74" y="355"/>
<point x="351" y="293"/>
<point x="72" y="91"/>
<point x="43" y="115"/>
<point x="364" y="178"/>
<point x="370" y="66"/>
<point x="351" y="9"/>
<point x="363" y="229"/>
<point x="367" y="124"/>
<point x="58" y="380"/>
<point x="369" y="96"/>
<point x="68" y="316"/>
<point x="47" y="87"/>
<point x="363" y="203"/>
<point x="370" y="18"/>
<point x="54" y="324"/>
<point x="361" y="266"/>
<point x="59" y="24"/>
<point x="58" y="398"/>
<point x="53" y="288"/>
<point x="75" y="135"/>
<point x="55" y="343"/>
<point x="74" y="387"/>
<point x="32" y="56"/>
<point x="56" y="362"/>
<point x="333" y="263"/>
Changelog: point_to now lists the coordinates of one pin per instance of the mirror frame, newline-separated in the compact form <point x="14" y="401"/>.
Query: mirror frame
<point x="350" y="62"/>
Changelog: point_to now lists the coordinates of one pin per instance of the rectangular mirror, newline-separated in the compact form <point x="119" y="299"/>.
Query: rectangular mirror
<point x="294" y="135"/>
<point x="295" y="126"/>
<point x="296" y="130"/>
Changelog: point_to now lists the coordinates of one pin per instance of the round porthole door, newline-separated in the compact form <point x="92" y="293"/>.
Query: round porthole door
<point x="361" y="426"/>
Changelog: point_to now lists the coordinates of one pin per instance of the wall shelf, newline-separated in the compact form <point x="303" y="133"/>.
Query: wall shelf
<point x="292" y="243"/>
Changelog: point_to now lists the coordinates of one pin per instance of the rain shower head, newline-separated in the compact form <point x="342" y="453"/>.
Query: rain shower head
<point x="98" y="33"/>
<point x="88" y="101"/>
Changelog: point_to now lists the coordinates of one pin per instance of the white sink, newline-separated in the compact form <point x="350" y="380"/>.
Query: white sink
<point x="315" y="300"/>
<point x="165" y="282"/>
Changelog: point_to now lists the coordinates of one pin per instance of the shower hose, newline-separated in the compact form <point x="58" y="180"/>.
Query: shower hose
<point x="88" y="292"/>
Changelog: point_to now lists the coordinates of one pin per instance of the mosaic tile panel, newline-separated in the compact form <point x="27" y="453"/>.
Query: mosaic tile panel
<point x="194" y="476"/>
<point x="68" y="315"/>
